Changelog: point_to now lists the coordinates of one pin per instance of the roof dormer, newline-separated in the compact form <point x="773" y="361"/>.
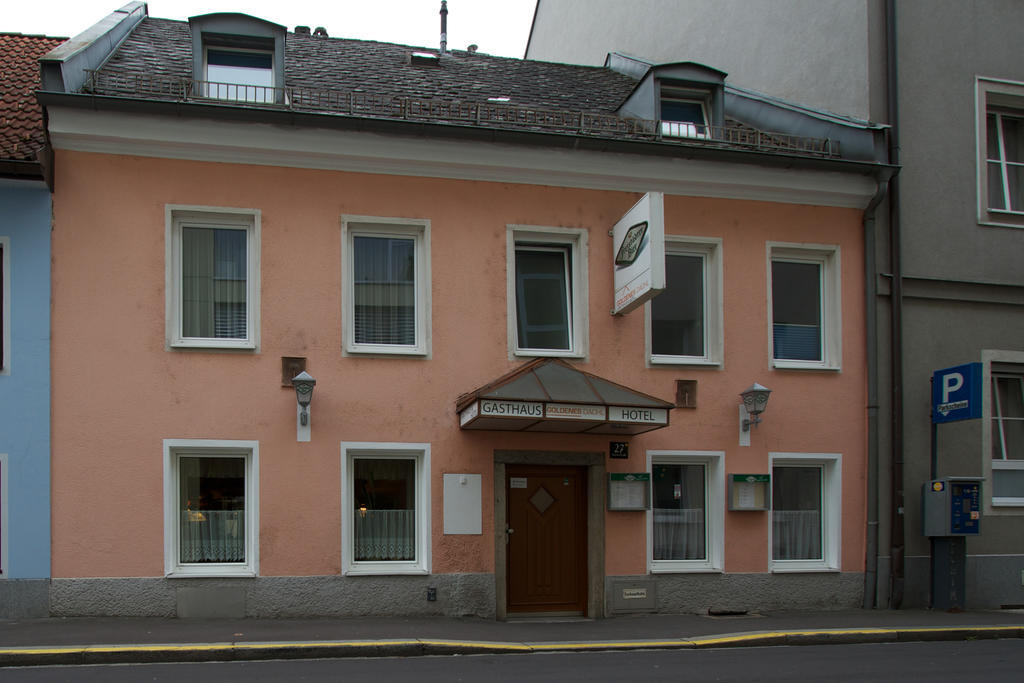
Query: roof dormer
<point x="686" y="98"/>
<point x="238" y="57"/>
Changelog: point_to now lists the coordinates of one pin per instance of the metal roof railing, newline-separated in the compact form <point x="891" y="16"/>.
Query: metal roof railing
<point x="430" y="110"/>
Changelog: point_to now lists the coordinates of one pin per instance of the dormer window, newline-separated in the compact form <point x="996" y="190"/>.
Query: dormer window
<point x="242" y="75"/>
<point x="683" y="114"/>
<point x="239" y="58"/>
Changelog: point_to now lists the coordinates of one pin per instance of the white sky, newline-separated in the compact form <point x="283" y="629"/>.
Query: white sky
<point x="499" y="27"/>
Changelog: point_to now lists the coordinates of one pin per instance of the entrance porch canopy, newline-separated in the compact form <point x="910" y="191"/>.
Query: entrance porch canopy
<point x="549" y="395"/>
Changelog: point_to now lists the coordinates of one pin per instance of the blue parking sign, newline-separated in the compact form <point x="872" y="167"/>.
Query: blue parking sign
<point x="956" y="393"/>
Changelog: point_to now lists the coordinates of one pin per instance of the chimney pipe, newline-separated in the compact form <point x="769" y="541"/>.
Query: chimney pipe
<point x="444" y="26"/>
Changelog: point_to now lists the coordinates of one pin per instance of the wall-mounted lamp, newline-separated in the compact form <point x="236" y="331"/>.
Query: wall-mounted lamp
<point x="755" y="400"/>
<point x="303" y="383"/>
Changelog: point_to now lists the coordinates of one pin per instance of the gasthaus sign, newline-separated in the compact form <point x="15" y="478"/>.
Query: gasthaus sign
<point x="638" y="241"/>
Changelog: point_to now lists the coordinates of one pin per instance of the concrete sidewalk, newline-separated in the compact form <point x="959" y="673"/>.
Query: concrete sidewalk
<point x="92" y="640"/>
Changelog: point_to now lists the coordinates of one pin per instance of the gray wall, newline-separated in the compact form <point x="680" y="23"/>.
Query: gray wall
<point x="795" y="49"/>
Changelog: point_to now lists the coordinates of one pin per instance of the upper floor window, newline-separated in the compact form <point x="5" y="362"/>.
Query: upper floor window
<point x="213" y="277"/>
<point x="5" y="307"/>
<point x="805" y="308"/>
<point x="684" y="321"/>
<point x="1005" y="160"/>
<point x="683" y="114"/>
<point x="546" y="291"/>
<point x="243" y="75"/>
<point x="1007" y="434"/>
<point x="1000" y="116"/>
<point x="387" y="285"/>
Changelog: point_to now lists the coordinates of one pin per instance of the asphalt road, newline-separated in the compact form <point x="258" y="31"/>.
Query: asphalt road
<point x="990" y="660"/>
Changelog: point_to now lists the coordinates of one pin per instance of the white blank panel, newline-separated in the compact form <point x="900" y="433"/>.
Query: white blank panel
<point x="462" y="503"/>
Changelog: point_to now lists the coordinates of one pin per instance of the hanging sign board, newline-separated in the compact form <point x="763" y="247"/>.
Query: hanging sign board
<point x="638" y="243"/>
<point x="956" y="393"/>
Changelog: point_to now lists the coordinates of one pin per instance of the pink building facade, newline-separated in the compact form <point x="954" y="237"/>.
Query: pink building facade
<point x="184" y="482"/>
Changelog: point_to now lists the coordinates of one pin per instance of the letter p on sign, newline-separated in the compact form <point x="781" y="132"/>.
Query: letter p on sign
<point x="954" y="381"/>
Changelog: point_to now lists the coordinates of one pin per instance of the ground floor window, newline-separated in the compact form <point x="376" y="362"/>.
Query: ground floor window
<point x="3" y="515"/>
<point x="385" y="508"/>
<point x="1007" y="436"/>
<point x="210" y="507"/>
<point x="805" y="512"/>
<point x="685" y="526"/>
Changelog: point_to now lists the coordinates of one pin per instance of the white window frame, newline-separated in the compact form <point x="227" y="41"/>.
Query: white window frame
<point x="575" y="240"/>
<point x="5" y="558"/>
<point x="997" y="506"/>
<point x="714" y="509"/>
<point x="831" y="465"/>
<point x="212" y="217"/>
<point x="262" y="93"/>
<point x="709" y="249"/>
<point x="829" y="259"/>
<point x="5" y="315"/>
<point x="420" y="454"/>
<point x="1002" y="96"/>
<point x="402" y="228"/>
<point x="173" y="450"/>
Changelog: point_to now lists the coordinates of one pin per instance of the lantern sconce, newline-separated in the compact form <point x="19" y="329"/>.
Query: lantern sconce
<point x="303" y="383"/>
<point x="755" y="400"/>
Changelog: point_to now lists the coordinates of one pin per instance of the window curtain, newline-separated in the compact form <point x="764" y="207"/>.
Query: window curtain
<point x="796" y="513"/>
<point x="385" y="535"/>
<point x="213" y="283"/>
<point x="384" y="290"/>
<point x="679" y="512"/>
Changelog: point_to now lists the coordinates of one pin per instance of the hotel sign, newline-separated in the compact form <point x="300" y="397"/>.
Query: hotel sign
<point x="638" y="241"/>
<point x="545" y="416"/>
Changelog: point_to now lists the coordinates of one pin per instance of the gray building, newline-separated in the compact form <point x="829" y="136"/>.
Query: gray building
<point x="947" y="283"/>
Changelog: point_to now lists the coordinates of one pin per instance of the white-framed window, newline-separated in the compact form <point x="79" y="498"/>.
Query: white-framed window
<point x="804" y="302"/>
<point x="239" y="74"/>
<point x="211" y="507"/>
<point x="5" y="306"/>
<point x="547" y="291"/>
<point x="385" y="508"/>
<point x="4" y="561"/>
<point x="806" y="511"/>
<point x="1006" y="430"/>
<point x="213" y="277"/>
<point x="683" y="113"/>
<point x="1000" y="144"/>
<point x="686" y="522"/>
<point x="684" y="322"/>
<point x="386" y="278"/>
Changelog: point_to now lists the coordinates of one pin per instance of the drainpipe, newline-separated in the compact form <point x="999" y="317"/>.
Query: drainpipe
<point x="871" y="332"/>
<point x="897" y="541"/>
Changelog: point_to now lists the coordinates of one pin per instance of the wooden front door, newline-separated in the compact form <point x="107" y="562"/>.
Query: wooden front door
<point x="547" y="539"/>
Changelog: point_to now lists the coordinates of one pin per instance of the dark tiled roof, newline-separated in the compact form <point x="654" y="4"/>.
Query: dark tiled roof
<point x="163" y="48"/>
<point x="21" y="117"/>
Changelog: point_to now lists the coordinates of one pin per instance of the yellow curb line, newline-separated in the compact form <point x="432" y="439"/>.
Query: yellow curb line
<point x="478" y="645"/>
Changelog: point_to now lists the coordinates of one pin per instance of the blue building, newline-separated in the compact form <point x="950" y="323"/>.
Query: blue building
<point x="25" y="339"/>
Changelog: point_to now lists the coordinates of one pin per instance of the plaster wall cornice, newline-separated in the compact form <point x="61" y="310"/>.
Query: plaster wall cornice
<point x="175" y="137"/>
